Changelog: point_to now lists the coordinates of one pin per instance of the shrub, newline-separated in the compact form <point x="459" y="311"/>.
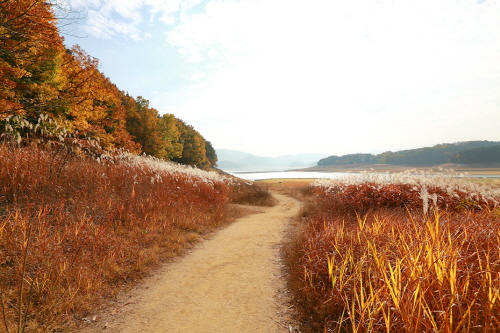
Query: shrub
<point x="247" y="193"/>
<point x="398" y="254"/>
<point x="74" y="230"/>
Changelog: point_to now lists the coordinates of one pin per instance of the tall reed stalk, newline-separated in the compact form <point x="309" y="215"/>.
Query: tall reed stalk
<point x="374" y="262"/>
<point x="75" y="230"/>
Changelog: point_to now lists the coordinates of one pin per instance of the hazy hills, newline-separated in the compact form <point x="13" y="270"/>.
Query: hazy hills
<point x="467" y="152"/>
<point x="233" y="160"/>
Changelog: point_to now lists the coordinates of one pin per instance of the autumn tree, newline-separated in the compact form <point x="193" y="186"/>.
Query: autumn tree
<point x="93" y="104"/>
<point x="211" y="153"/>
<point x="166" y="137"/>
<point x="31" y="52"/>
<point x="143" y="125"/>
<point x="114" y="122"/>
<point x="40" y="78"/>
<point x="80" y="93"/>
<point x="490" y="154"/>
<point x="193" y="146"/>
<point x="170" y="134"/>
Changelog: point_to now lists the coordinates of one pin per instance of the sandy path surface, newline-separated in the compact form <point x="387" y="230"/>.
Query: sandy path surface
<point x="229" y="283"/>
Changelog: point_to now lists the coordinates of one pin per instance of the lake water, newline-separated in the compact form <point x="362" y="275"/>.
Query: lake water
<point x="287" y="174"/>
<point x="251" y="175"/>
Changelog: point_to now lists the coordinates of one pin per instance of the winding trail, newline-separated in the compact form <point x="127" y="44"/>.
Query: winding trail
<point x="229" y="283"/>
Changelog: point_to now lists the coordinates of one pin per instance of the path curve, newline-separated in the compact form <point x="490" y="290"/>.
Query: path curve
<point x="229" y="283"/>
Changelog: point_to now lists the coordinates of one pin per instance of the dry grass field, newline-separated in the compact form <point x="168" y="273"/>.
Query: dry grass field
<point x="76" y="230"/>
<point x="398" y="253"/>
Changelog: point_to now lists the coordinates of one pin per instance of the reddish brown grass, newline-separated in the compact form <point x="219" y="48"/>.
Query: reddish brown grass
<point x="247" y="193"/>
<point x="368" y="259"/>
<point x="74" y="231"/>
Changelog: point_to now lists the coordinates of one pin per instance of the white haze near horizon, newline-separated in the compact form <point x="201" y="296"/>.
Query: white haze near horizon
<point x="276" y="77"/>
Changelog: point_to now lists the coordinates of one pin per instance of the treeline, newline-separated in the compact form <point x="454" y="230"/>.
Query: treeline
<point x="478" y="155"/>
<point x="40" y="77"/>
<point x="469" y="152"/>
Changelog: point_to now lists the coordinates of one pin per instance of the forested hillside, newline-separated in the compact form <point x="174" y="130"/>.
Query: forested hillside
<point x="469" y="152"/>
<point x="478" y="155"/>
<point x="42" y="80"/>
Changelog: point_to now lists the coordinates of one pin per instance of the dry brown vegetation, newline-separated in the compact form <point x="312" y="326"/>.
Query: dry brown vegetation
<point x="403" y="253"/>
<point x="293" y="187"/>
<point x="74" y="231"/>
<point x="246" y="193"/>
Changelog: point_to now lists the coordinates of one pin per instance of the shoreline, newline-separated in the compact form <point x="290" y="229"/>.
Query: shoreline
<point x="471" y="169"/>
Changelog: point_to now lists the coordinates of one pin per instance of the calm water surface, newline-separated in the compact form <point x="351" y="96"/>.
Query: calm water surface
<point x="252" y="175"/>
<point x="288" y="174"/>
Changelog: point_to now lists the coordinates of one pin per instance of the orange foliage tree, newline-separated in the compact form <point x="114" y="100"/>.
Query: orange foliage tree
<point x="93" y="103"/>
<point x="39" y="76"/>
<point x="193" y="147"/>
<point x="30" y="57"/>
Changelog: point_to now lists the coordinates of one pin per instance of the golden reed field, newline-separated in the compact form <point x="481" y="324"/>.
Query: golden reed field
<point x="406" y="252"/>
<point x="76" y="230"/>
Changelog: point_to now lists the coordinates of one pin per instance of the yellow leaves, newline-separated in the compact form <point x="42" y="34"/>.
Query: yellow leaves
<point x="38" y="73"/>
<point x="91" y="99"/>
<point x="30" y="59"/>
<point x="411" y="277"/>
<point x="492" y="283"/>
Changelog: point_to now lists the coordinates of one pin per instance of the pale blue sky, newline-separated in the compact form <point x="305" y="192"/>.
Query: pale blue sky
<point x="275" y="77"/>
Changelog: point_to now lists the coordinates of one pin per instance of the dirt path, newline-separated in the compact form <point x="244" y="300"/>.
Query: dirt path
<point x="229" y="283"/>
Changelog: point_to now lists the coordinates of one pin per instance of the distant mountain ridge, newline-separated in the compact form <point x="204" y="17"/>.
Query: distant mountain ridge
<point x="233" y="160"/>
<point x="467" y="152"/>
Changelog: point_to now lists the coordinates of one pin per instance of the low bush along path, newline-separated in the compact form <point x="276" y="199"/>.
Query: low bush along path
<point x="229" y="283"/>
